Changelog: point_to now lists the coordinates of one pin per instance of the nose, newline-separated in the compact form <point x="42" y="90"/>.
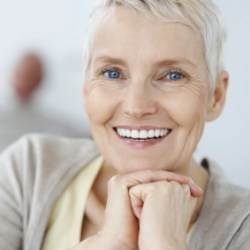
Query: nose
<point x="139" y="101"/>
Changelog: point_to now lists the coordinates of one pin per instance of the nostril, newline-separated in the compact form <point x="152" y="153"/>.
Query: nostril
<point x="139" y="107"/>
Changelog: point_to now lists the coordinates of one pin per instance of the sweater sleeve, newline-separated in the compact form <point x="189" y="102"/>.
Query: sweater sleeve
<point x="241" y="239"/>
<point x="33" y="173"/>
<point x="11" y="194"/>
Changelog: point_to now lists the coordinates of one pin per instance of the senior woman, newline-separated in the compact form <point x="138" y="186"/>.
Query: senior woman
<point x="154" y="76"/>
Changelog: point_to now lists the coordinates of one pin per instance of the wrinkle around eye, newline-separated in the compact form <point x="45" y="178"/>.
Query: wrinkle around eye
<point x="165" y="84"/>
<point x="197" y="84"/>
<point x="97" y="82"/>
<point x="199" y="89"/>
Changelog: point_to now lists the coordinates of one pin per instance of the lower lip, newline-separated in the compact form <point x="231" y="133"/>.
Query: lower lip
<point x="140" y="144"/>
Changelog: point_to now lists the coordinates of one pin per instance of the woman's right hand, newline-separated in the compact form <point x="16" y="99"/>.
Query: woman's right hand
<point x="121" y="227"/>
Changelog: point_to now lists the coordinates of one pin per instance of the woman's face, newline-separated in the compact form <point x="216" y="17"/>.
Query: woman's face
<point x="147" y="94"/>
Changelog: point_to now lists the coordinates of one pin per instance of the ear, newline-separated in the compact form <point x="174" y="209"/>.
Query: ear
<point x="218" y="97"/>
<point x="84" y="92"/>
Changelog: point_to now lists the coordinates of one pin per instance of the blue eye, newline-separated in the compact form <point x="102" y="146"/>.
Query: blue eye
<point x="112" y="74"/>
<point x="174" y="76"/>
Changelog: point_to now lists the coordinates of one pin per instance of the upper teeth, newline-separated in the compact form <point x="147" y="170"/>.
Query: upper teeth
<point x="142" y="134"/>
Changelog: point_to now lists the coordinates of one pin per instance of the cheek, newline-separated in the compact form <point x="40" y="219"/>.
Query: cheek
<point x="100" y="104"/>
<point x="193" y="112"/>
<point x="187" y="109"/>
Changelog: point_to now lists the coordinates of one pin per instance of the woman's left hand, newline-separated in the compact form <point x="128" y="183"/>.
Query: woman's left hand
<point x="164" y="210"/>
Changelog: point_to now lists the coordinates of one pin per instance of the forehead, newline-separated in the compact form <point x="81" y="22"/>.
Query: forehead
<point x="123" y="32"/>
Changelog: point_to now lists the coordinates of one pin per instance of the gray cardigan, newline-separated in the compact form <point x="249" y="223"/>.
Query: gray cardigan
<point x="36" y="170"/>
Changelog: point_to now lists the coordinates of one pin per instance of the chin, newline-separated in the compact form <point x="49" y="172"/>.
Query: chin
<point x="140" y="165"/>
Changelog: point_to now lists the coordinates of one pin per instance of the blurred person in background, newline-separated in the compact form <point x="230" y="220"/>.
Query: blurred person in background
<point x="28" y="77"/>
<point x="19" y="115"/>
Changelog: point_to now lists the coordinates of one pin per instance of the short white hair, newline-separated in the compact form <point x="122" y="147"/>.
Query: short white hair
<point x="201" y="15"/>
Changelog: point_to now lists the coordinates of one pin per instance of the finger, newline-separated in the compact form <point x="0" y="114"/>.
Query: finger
<point x="136" y="200"/>
<point x="195" y="190"/>
<point x="139" y="193"/>
<point x="147" y="176"/>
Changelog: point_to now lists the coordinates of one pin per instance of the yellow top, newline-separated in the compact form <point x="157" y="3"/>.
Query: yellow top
<point x="65" y="222"/>
<point x="189" y="234"/>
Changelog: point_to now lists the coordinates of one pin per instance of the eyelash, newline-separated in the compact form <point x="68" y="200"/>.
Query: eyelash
<point x="114" y="69"/>
<point x="174" y="71"/>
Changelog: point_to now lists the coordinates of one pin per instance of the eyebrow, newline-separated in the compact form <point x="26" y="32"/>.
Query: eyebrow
<point x="165" y="62"/>
<point x="110" y="59"/>
<point x="175" y="61"/>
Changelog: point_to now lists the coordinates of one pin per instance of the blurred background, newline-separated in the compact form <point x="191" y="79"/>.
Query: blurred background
<point x="55" y="30"/>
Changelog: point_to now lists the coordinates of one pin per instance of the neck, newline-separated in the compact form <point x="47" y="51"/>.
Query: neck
<point x="101" y="183"/>
<point x="200" y="176"/>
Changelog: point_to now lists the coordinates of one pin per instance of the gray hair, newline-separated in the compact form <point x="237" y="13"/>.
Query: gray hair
<point x="201" y="15"/>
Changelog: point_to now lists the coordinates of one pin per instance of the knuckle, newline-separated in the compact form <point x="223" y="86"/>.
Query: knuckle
<point x="191" y="181"/>
<point x="117" y="181"/>
<point x="162" y="186"/>
<point x="113" y="181"/>
<point x="149" y="172"/>
<point x="155" y="187"/>
<point x="176" y="185"/>
<point x="186" y="188"/>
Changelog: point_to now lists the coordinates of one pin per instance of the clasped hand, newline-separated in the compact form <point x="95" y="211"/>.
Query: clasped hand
<point x="146" y="210"/>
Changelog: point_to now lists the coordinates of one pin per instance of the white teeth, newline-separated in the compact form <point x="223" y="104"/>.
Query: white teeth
<point x="157" y="133"/>
<point x="162" y="133"/>
<point x="151" y="133"/>
<point x="135" y="134"/>
<point x="142" y="134"/>
<point x="119" y="131"/>
<point x="127" y="133"/>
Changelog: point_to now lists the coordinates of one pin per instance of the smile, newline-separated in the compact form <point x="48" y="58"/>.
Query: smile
<point x="142" y="134"/>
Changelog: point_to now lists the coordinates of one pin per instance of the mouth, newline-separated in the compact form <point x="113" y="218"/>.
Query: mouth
<point x="142" y="135"/>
